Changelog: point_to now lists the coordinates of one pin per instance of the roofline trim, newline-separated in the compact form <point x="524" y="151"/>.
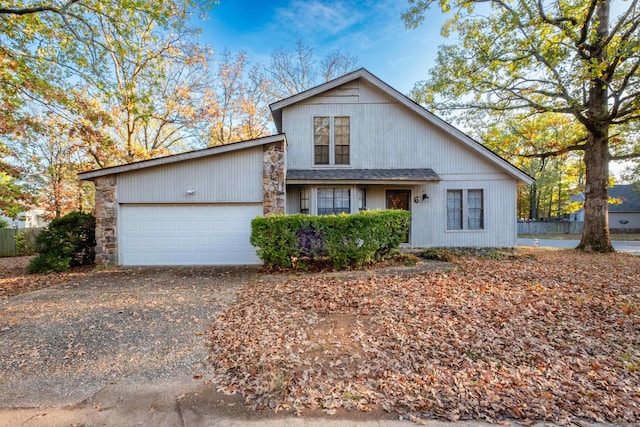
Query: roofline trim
<point x="189" y="155"/>
<point x="382" y="181"/>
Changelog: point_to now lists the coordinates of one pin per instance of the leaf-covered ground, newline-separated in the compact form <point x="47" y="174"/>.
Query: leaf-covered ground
<point x="14" y="279"/>
<point x="554" y="336"/>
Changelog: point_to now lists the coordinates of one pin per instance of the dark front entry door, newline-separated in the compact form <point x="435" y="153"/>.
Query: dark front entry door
<point x="399" y="199"/>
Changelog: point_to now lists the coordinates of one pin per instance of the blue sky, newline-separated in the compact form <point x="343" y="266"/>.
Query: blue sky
<point x="371" y="30"/>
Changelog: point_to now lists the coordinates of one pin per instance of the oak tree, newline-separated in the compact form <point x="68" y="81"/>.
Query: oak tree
<point x="578" y="58"/>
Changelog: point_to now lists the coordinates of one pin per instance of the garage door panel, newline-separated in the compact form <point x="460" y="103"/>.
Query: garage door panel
<point x="187" y="234"/>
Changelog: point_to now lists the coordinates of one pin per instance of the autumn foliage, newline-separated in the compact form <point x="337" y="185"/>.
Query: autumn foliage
<point x="550" y="336"/>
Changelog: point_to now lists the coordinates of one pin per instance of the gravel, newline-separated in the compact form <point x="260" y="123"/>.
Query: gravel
<point x="62" y="344"/>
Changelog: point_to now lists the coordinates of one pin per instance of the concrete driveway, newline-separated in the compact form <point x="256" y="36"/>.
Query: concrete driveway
<point x="632" y="247"/>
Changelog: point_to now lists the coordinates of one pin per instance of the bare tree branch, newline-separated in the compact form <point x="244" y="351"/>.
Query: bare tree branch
<point x="37" y="9"/>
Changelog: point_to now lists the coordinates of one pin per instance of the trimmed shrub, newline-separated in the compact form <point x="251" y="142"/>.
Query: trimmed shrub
<point x="67" y="242"/>
<point x="345" y="240"/>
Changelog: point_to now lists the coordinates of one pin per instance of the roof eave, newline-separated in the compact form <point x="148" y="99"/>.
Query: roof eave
<point x="190" y="155"/>
<point x="384" y="181"/>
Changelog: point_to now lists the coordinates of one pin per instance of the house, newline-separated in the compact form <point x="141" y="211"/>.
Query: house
<point x="624" y="214"/>
<point x="351" y="144"/>
<point x="33" y="218"/>
<point x="577" y="216"/>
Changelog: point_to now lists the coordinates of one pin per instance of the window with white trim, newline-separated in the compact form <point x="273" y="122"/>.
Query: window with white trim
<point x="304" y="200"/>
<point x="454" y="209"/>
<point x="331" y="140"/>
<point x="465" y="209"/>
<point x="362" y="199"/>
<point x="475" y="204"/>
<point x="334" y="201"/>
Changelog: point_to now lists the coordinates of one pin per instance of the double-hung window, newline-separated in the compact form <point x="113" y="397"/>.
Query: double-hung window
<point x="475" y="205"/>
<point x="304" y="200"/>
<point x="331" y="140"/>
<point x="454" y="210"/>
<point x="334" y="201"/>
<point x="465" y="210"/>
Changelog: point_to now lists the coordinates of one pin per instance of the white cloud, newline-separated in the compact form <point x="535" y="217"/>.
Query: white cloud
<point x="317" y="18"/>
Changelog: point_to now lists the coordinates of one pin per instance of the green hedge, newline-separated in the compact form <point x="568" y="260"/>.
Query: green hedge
<point x="356" y="240"/>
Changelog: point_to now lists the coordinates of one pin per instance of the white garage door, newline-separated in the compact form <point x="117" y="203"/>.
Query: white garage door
<point x="187" y="234"/>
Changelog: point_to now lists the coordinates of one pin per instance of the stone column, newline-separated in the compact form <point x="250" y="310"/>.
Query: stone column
<point x="106" y="212"/>
<point x="273" y="178"/>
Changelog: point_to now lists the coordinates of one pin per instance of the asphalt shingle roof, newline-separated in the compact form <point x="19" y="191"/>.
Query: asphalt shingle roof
<point x="363" y="174"/>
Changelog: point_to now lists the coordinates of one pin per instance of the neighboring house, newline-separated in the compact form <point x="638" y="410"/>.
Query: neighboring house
<point x="351" y="144"/>
<point x="577" y="216"/>
<point x="33" y="218"/>
<point x="626" y="214"/>
<point x="623" y="215"/>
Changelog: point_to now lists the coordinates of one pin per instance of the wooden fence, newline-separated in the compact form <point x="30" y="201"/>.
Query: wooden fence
<point x="8" y="239"/>
<point x="550" y="227"/>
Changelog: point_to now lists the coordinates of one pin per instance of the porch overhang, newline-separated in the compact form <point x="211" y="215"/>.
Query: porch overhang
<point x="362" y="176"/>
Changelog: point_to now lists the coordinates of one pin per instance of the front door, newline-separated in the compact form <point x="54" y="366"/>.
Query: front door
<point x="399" y="199"/>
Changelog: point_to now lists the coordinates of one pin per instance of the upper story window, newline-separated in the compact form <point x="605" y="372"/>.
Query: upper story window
<point x="460" y="213"/>
<point x="321" y="140"/>
<point x="331" y="140"/>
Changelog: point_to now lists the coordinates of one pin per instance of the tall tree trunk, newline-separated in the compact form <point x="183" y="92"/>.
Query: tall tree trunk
<point x="595" y="235"/>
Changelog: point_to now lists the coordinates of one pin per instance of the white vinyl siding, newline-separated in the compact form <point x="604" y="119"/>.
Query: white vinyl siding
<point x="382" y="135"/>
<point x="234" y="177"/>
<point x="385" y="134"/>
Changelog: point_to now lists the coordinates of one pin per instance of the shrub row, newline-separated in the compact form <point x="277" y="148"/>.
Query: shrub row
<point x="344" y="239"/>
<point x="67" y="241"/>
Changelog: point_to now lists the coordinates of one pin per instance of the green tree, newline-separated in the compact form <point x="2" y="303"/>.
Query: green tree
<point x="519" y="138"/>
<point x="102" y="66"/>
<point x="546" y="56"/>
<point x="88" y="82"/>
<point x="15" y="196"/>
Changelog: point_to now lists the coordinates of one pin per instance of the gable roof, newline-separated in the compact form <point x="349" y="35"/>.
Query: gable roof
<point x="277" y="107"/>
<point x="189" y="155"/>
<point x="628" y="194"/>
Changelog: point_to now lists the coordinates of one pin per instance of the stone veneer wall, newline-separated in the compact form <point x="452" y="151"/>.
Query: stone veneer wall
<point x="273" y="178"/>
<point x="106" y="212"/>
